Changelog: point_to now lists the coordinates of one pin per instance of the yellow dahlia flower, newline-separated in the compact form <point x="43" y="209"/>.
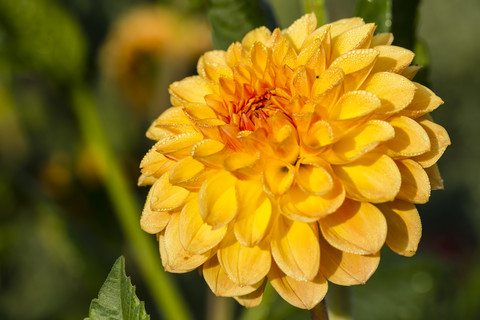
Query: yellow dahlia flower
<point x="294" y="156"/>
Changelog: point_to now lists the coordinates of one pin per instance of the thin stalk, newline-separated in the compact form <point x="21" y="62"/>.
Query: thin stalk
<point x="163" y="290"/>
<point x="339" y="302"/>
<point x="219" y="308"/>
<point x="319" y="312"/>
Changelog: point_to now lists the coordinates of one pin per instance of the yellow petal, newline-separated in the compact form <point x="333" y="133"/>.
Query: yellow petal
<point x="373" y="178"/>
<point x="174" y="257"/>
<point x="219" y="282"/>
<point x="356" y="65"/>
<point x="404" y="227"/>
<point x="392" y="59"/>
<point x="252" y="299"/>
<point x="188" y="173"/>
<point x="174" y="120"/>
<point x="300" y="30"/>
<point x="215" y="102"/>
<point x="355" y="104"/>
<point x="178" y="146"/>
<point x="213" y="64"/>
<point x="295" y="248"/>
<point x="209" y="127"/>
<point x="439" y="141"/>
<point x="283" y="139"/>
<point x="424" y="101"/>
<point x="410" y="138"/>
<point x="258" y="55"/>
<point x="357" y="38"/>
<point x="415" y="186"/>
<point x="323" y="34"/>
<point x="236" y="54"/>
<point x="314" y="176"/>
<point x="302" y="81"/>
<point x="343" y="25"/>
<point x="254" y="212"/>
<point x="243" y="265"/>
<point x="319" y="135"/>
<point x="190" y="89"/>
<point x="156" y="133"/>
<point x="153" y="221"/>
<point x="329" y="79"/>
<point x="242" y="165"/>
<point x="313" y="55"/>
<point x="196" y="236"/>
<point x="217" y="201"/>
<point x="363" y="139"/>
<point x="261" y="34"/>
<point x="197" y="111"/>
<point x="382" y="39"/>
<point x="411" y="71"/>
<point x="320" y="58"/>
<point x="283" y="53"/>
<point x="301" y="206"/>
<point x="154" y="163"/>
<point x="344" y="268"/>
<point x="436" y="181"/>
<point x="277" y="177"/>
<point x="356" y="227"/>
<point x="395" y="91"/>
<point x="209" y="152"/>
<point x="165" y="196"/>
<point x="301" y="294"/>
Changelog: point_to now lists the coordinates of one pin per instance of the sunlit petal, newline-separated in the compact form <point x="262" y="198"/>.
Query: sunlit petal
<point x="195" y="235"/>
<point x="356" y="227"/>
<point x="365" y="179"/>
<point x="344" y="268"/>
<point x="301" y="294"/>
<point x="295" y="248"/>
<point x="219" y="282"/>
<point x="404" y="226"/>
<point x="244" y="265"/>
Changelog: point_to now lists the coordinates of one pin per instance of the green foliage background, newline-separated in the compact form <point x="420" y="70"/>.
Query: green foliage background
<point x="60" y="226"/>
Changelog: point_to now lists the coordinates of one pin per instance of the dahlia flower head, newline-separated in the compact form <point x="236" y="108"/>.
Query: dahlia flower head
<point x="293" y="156"/>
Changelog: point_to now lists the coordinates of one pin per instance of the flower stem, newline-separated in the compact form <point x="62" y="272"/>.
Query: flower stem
<point x="339" y="302"/>
<point x="219" y="308"/>
<point x="319" y="312"/>
<point x="163" y="290"/>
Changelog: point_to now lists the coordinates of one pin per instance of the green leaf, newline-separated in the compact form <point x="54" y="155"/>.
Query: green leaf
<point x="377" y="11"/>
<point x="404" y="27"/>
<point x="232" y="19"/>
<point x="117" y="299"/>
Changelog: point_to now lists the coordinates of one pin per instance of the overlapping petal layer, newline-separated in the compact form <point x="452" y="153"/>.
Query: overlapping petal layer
<point x="294" y="155"/>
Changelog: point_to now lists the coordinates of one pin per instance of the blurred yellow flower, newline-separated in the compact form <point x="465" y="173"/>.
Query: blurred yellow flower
<point x="293" y="156"/>
<point x="142" y="38"/>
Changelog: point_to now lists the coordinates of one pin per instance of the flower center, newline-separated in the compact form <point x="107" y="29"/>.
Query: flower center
<point x="255" y="111"/>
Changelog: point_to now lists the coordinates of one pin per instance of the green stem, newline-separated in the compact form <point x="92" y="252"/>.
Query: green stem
<point x="339" y="302"/>
<point x="319" y="312"/>
<point x="162" y="288"/>
<point x="318" y="7"/>
<point x="219" y="308"/>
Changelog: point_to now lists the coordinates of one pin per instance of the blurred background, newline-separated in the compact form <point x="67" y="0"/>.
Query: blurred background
<point x="81" y="81"/>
